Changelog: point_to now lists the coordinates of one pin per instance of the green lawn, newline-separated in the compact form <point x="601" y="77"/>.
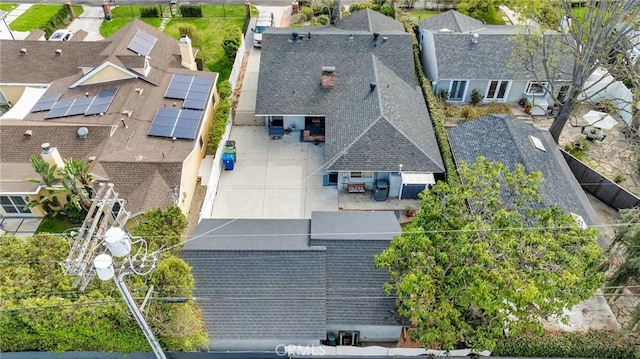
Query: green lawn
<point x="38" y="15"/>
<point x="215" y="19"/>
<point x="57" y="224"/>
<point x="7" y="6"/>
<point x="122" y="15"/>
<point x="420" y="14"/>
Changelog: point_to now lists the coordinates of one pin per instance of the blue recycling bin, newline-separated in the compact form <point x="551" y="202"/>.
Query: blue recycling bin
<point x="227" y="161"/>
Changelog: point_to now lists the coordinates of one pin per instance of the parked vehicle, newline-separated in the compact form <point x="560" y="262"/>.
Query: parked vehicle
<point x="263" y="23"/>
<point x="61" y="35"/>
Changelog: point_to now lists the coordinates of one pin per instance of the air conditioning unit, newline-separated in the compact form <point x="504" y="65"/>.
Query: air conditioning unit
<point x="349" y="338"/>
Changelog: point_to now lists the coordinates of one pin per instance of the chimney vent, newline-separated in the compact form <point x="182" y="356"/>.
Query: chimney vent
<point x="45" y="147"/>
<point x="83" y="132"/>
<point x="474" y="39"/>
<point x="28" y="134"/>
<point x="384" y="38"/>
<point x="58" y="51"/>
<point x="309" y="35"/>
<point x="294" y="35"/>
<point x="23" y="50"/>
<point x="328" y="77"/>
<point x="372" y="86"/>
<point x="51" y="155"/>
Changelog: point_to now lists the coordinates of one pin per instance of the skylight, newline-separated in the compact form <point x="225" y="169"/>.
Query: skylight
<point x="536" y="142"/>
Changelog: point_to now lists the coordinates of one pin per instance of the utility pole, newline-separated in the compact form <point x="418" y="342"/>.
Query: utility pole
<point x="88" y="256"/>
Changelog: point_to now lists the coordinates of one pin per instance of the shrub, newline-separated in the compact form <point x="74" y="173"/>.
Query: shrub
<point x="231" y="41"/>
<point x="190" y="10"/>
<point x="224" y="89"/>
<point x="323" y="20"/>
<point x="578" y="148"/>
<point x="74" y="214"/>
<point x="470" y="112"/>
<point x="595" y="344"/>
<point x="149" y="11"/>
<point x="443" y="95"/>
<point x="306" y="13"/>
<point x="60" y="20"/>
<point x="388" y="9"/>
<point x="638" y="159"/>
<point x="193" y="33"/>
<point x="323" y="8"/>
<point x="304" y="3"/>
<point x="476" y="97"/>
<point x="619" y="178"/>
<point x="360" y="6"/>
<point x="296" y="19"/>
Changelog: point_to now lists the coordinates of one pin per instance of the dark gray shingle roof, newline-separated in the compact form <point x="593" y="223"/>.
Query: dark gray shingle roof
<point x="290" y="291"/>
<point x="506" y="139"/>
<point x="451" y="20"/>
<point x="260" y="294"/>
<point x="289" y="84"/>
<point x="369" y="20"/>
<point x="353" y="225"/>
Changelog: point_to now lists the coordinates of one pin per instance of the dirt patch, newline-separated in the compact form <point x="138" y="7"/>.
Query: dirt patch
<point x="236" y="92"/>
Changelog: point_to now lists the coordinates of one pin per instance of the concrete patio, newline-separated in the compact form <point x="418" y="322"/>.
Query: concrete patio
<point x="19" y="227"/>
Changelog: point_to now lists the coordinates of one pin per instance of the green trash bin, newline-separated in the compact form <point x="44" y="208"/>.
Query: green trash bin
<point x="331" y="339"/>
<point x="230" y="147"/>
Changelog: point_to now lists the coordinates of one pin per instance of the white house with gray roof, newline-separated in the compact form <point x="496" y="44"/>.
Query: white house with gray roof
<point x="460" y="54"/>
<point x="352" y="86"/>
<point x="265" y="283"/>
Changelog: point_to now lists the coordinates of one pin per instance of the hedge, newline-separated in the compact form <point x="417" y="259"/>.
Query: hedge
<point x="433" y="105"/>
<point x="190" y="10"/>
<point x="60" y="20"/>
<point x="221" y="118"/>
<point x="149" y="11"/>
<point x="595" y="344"/>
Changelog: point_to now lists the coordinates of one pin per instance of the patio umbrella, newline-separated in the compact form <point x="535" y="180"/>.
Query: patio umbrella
<point x="600" y="119"/>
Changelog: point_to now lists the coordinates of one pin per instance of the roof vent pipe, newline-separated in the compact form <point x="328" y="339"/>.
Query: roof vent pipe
<point x="23" y="50"/>
<point x="294" y="35"/>
<point x="474" y="39"/>
<point x="375" y="36"/>
<point x="58" y="51"/>
<point x="372" y="86"/>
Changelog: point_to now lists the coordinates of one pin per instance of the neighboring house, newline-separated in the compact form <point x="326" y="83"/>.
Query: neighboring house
<point x="132" y="106"/>
<point x="266" y="283"/>
<point x="502" y="138"/>
<point x="352" y="86"/>
<point x="460" y="54"/>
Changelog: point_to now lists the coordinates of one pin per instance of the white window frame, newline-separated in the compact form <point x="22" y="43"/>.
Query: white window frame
<point x="20" y="211"/>
<point x="360" y="174"/>
<point x="495" y="98"/>
<point x="542" y="84"/>
<point x="464" y="93"/>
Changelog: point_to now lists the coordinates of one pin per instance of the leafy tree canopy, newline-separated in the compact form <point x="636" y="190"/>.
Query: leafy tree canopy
<point x="484" y="258"/>
<point x="162" y="229"/>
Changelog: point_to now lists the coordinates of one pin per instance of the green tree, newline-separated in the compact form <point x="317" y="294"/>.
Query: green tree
<point x="162" y="229"/>
<point x="193" y="33"/>
<point x="479" y="9"/>
<point x="598" y="39"/>
<point x="484" y="257"/>
<point x="628" y="238"/>
<point x="231" y="41"/>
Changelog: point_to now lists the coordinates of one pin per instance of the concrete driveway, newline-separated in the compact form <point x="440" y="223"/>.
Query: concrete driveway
<point x="273" y="178"/>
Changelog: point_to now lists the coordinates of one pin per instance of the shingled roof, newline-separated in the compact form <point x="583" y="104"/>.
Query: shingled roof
<point x="451" y="21"/>
<point x="369" y="20"/>
<point x="144" y="169"/>
<point x="375" y="115"/>
<point x="506" y="139"/>
<point x="289" y="279"/>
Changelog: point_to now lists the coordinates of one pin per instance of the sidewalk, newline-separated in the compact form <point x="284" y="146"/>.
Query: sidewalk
<point x="5" y="32"/>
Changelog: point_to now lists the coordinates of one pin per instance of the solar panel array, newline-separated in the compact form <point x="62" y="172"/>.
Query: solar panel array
<point x="81" y="106"/>
<point x="194" y="90"/>
<point x="173" y="122"/>
<point x="46" y="102"/>
<point x="142" y="43"/>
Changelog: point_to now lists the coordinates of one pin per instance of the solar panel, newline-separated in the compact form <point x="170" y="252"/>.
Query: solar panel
<point x="187" y="124"/>
<point x="142" y="43"/>
<point x="195" y="101"/>
<point x="59" y="109"/>
<point x="101" y="102"/>
<point x="203" y="81"/>
<point x="178" y="86"/>
<point x="79" y="106"/>
<point x="46" y="102"/>
<point x="164" y="122"/>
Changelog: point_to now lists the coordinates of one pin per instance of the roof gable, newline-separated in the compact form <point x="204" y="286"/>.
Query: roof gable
<point x="369" y="20"/>
<point x="506" y="139"/>
<point x="452" y="21"/>
<point x="106" y="72"/>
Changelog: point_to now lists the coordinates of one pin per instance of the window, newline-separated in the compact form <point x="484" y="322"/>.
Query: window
<point x="14" y="205"/>
<point x="497" y="90"/>
<point x="361" y="174"/>
<point x="457" y="90"/>
<point x="536" y="88"/>
<point x="201" y="142"/>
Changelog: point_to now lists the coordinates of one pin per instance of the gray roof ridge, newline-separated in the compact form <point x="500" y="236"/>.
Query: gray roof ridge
<point x="507" y="124"/>
<point x="369" y="23"/>
<point x="456" y="14"/>
<point x="355" y="140"/>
